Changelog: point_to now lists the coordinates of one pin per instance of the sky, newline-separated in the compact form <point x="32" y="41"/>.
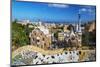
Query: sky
<point x="52" y="11"/>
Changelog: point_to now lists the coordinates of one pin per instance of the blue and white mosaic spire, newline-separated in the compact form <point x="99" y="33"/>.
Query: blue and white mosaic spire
<point x="78" y="26"/>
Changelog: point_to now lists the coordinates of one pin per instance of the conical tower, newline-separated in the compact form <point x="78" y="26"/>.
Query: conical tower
<point x="79" y="31"/>
<point x="79" y="23"/>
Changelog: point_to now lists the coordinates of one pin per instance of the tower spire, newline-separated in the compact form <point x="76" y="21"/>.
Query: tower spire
<point x="79" y="22"/>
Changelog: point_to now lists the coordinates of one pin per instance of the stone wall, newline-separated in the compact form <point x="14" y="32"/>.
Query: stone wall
<point x="35" y="55"/>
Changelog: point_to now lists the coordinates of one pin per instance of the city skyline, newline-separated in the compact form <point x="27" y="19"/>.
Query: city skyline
<point x="52" y="12"/>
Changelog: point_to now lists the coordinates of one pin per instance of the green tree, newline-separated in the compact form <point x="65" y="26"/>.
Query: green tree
<point x="20" y="34"/>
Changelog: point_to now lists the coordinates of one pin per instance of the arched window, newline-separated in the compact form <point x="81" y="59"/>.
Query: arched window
<point x="43" y="39"/>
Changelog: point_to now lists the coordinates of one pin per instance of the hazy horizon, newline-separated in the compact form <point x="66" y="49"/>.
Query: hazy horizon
<point x="52" y="12"/>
